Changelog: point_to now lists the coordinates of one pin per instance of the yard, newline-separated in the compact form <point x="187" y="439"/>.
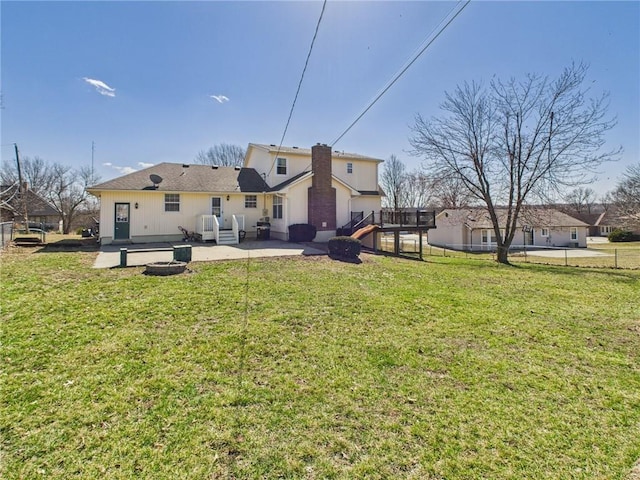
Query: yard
<point x="313" y="368"/>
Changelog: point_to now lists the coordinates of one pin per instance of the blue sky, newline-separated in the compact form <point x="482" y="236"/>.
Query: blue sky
<point x="161" y="63"/>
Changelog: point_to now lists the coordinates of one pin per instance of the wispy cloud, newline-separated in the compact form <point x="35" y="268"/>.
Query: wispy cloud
<point x="220" y="98"/>
<point x="101" y="87"/>
<point x="122" y="170"/>
<point x="145" y="165"/>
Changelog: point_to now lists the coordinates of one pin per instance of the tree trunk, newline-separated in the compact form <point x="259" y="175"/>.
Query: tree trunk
<point x="503" y="255"/>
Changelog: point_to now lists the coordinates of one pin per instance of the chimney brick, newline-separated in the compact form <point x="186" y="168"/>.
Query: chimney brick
<point x="321" y="195"/>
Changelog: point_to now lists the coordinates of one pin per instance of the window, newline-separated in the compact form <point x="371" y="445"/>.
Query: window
<point x="349" y="167"/>
<point x="485" y="236"/>
<point x="544" y="232"/>
<point x="574" y="233"/>
<point x="250" y="201"/>
<point x="606" y="230"/>
<point x="277" y="207"/>
<point x="171" y="202"/>
<point x="281" y="166"/>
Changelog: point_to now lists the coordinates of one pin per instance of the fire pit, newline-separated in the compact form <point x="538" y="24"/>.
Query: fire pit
<point x="165" y="268"/>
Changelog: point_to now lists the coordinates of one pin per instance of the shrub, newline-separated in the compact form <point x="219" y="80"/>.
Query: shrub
<point x="301" y="232"/>
<point x="344" y="247"/>
<point x="621" y="236"/>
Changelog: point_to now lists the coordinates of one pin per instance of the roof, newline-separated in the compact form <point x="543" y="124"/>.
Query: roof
<point x="36" y="205"/>
<point x="475" y="218"/>
<point x="307" y="151"/>
<point x="177" y="177"/>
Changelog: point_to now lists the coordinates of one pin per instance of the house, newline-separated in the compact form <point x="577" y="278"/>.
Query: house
<point x="471" y="229"/>
<point x="275" y="188"/>
<point x="39" y="210"/>
<point x="603" y="222"/>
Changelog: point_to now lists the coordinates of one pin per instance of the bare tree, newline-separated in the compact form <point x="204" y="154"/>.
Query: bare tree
<point x="417" y="189"/>
<point x="35" y="172"/>
<point x="68" y="193"/>
<point x="516" y="140"/>
<point x="223" y="154"/>
<point x="393" y="180"/>
<point x="626" y="197"/>
<point x="581" y="199"/>
<point x="450" y="192"/>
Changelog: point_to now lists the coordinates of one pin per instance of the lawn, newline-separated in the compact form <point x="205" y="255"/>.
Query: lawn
<point x="313" y="368"/>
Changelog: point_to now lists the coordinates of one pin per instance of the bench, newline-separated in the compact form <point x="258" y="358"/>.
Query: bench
<point x="181" y="253"/>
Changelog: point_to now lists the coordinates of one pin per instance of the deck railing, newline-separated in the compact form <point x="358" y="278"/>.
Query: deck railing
<point x="208" y="227"/>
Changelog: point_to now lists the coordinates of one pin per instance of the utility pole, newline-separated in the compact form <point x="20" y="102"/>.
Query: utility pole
<point x="22" y="190"/>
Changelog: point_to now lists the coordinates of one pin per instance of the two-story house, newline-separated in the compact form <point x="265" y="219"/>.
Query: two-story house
<point x="275" y="186"/>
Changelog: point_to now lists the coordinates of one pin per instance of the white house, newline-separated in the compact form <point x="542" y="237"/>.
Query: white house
<point x="471" y="229"/>
<point x="278" y="186"/>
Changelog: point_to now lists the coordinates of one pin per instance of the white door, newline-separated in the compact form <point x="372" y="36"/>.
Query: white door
<point x="218" y="210"/>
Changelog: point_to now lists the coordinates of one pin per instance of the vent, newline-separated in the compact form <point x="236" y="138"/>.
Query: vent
<point x="237" y="167"/>
<point x="184" y="165"/>
<point x="214" y="167"/>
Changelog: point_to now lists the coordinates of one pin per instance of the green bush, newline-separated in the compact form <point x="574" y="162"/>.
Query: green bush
<point x="301" y="232"/>
<point x="619" y="235"/>
<point x="344" y="247"/>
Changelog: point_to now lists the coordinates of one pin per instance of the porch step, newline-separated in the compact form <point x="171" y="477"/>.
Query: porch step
<point x="226" y="237"/>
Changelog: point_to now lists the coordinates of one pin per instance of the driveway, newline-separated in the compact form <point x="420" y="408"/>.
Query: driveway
<point x="109" y="255"/>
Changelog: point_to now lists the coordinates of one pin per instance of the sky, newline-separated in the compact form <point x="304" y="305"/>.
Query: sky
<point x="125" y="85"/>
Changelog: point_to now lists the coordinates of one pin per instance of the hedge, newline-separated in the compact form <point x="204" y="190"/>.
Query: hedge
<point x="301" y="232"/>
<point x="344" y="247"/>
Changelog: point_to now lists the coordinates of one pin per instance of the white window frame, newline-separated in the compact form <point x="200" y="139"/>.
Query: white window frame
<point x="281" y="166"/>
<point x="349" y="167"/>
<point x="171" y="200"/>
<point x="251" y="201"/>
<point x="544" y="232"/>
<point x="277" y="207"/>
<point x="573" y="233"/>
<point x="606" y="229"/>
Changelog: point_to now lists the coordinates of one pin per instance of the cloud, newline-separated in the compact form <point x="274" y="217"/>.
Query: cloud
<point x="220" y="98"/>
<point x="145" y="165"/>
<point x="101" y="87"/>
<point x="122" y="170"/>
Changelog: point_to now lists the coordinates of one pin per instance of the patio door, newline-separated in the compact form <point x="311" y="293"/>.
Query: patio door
<point x="121" y="227"/>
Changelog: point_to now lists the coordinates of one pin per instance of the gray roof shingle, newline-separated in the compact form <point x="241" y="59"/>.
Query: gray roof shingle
<point x="178" y="177"/>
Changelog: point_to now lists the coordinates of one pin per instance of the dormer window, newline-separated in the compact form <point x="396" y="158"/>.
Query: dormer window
<point x="281" y="166"/>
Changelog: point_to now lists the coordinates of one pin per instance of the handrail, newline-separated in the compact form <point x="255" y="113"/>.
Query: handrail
<point x="235" y="228"/>
<point x="369" y="219"/>
<point x="216" y="228"/>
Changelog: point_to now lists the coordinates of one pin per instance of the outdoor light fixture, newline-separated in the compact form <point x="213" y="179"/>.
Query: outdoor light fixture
<point x="136" y="205"/>
<point x="227" y="198"/>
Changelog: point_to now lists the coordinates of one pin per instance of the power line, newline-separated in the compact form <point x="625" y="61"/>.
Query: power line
<point x="403" y="70"/>
<point x="313" y="40"/>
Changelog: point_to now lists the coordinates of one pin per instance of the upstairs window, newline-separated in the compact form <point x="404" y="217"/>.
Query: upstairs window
<point x="349" y="167"/>
<point x="171" y="202"/>
<point x="281" y="166"/>
<point x="250" y="201"/>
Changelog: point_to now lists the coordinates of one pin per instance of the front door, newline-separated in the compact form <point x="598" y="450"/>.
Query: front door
<point x="121" y="229"/>
<point x="216" y="209"/>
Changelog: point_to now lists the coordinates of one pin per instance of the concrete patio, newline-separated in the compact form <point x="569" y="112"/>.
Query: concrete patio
<point x="109" y="255"/>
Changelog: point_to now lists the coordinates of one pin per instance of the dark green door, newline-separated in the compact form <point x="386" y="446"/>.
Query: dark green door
<point x="121" y="229"/>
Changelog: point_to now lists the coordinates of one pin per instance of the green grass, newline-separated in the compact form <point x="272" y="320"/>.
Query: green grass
<point x="312" y="368"/>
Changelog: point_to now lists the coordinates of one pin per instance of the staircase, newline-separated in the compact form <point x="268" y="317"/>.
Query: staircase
<point x="226" y="237"/>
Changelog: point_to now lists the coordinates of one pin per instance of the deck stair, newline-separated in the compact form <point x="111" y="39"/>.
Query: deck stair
<point x="227" y="237"/>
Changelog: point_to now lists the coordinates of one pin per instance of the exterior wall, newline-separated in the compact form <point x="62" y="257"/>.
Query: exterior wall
<point x="453" y="236"/>
<point x="264" y="163"/>
<point x="366" y="204"/>
<point x="560" y="237"/>
<point x="149" y="222"/>
<point x="364" y="176"/>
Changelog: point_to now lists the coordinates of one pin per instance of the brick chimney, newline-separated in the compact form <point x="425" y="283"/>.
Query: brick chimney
<point x="322" y="196"/>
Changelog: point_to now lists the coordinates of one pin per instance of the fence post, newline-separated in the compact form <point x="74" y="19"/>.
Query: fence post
<point x="565" y="258"/>
<point x="615" y="255"/>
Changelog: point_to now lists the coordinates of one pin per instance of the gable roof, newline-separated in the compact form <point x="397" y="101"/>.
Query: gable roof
<point x="177" y="177"/>
<point x="336" y="154"/>
<point x="474" y="218"/>
<point x="36" y="205"/>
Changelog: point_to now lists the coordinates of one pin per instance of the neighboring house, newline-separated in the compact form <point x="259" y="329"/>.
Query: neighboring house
<point x="276" y="187"/>
<point x="471" y="229"/>
<point x="601" y="224"/>
<point x="39" y="210"/>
